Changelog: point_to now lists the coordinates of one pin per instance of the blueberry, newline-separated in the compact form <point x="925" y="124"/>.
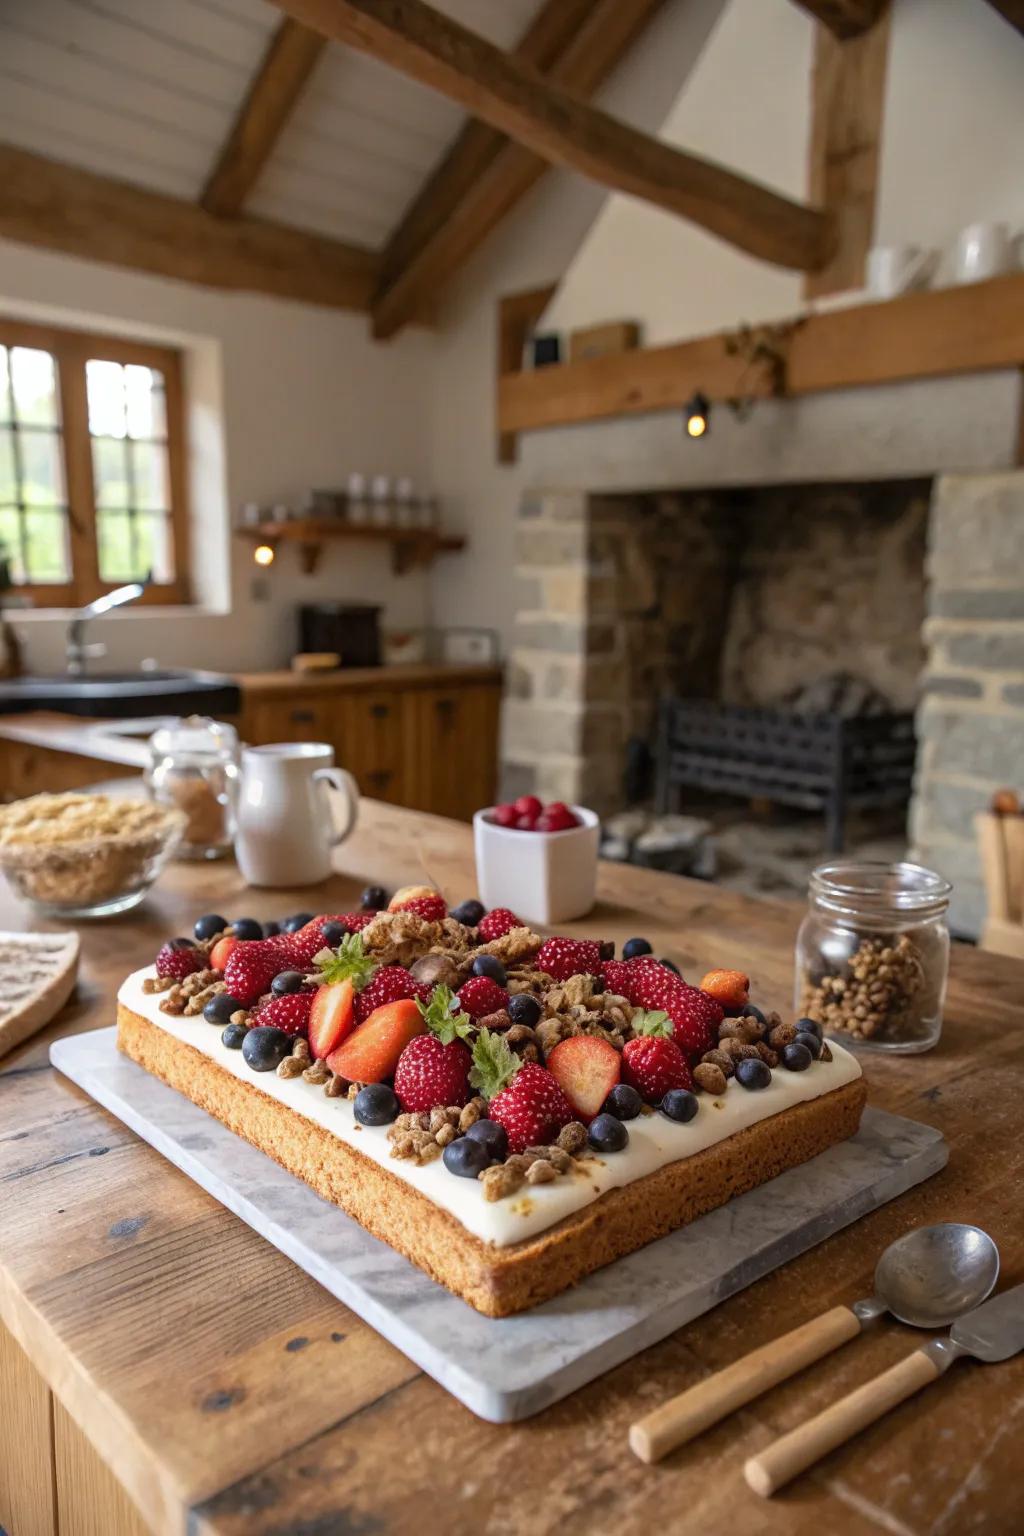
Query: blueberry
<point x="296" y="921"/>
<point x="670" y="965"/>
<point x="375" y="1105"/>
<point x="809" y="1042"/>
<point x="623" y="1102"/>
<point x="468" y="912"/>
<point x="374" y="899"/>
<point x="220" y="1008"/>
<point x="634" y="947"/>
<point x="247" y="928"/>
<point x="491" y="1136"/>
<point x="265" y="1047"/>
<point x="808" y="1027"/>
<point x="332" y="934"/>
<point x="680" y="1104"/>
<point x="607" y="1134"/>
<point x="490" y="965"/>
<point x="466" y="1157"/>
<point x="233" y="1035"/>
<point x="753" y="1073"/>
<point x="524" y="1008"/>
<point x="285" y="982"/>
<point x="271" y="930"/>
<point x="209" y="926"/>
<point x="796" y="1056"/>
<point x="748" y="1011"/>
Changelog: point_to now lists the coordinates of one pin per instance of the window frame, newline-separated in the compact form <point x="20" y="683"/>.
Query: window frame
<point x="71" y="350"/>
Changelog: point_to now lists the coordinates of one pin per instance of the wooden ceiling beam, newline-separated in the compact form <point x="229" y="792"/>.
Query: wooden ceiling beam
<point x="475" y="148"/>
<point x="411" y="37"/>
<point x="1011" y="11"/>
<point x="844" y="18"/>
<point x="576" y="43"/>
<point x="290" y="59"/>
<point x="64" y="208"/>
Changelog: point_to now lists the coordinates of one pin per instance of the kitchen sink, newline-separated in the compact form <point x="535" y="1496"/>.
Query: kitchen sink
<point x="121" y="695"/>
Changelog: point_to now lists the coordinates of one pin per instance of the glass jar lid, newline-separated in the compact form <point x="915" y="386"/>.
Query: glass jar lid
<point x="195" y="739"/>
<point x="875" y="889"/>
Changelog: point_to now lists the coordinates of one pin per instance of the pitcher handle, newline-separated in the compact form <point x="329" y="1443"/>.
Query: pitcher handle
<point x="345" y="784"/>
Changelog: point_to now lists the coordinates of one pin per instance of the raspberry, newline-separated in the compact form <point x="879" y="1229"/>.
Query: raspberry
<point x="481" y="995"/>
<point x="495" y="925"/>
<point x="178" y="961"/>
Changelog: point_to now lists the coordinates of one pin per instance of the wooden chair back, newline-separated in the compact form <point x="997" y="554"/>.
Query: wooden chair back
<point x="1001" y="843"/>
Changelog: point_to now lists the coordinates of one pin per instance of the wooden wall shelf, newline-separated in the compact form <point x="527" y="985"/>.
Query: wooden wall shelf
<point x="410" y="547"/>
<point x="922" y="335"/>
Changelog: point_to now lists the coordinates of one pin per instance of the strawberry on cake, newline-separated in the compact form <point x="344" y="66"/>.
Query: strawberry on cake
<point x="509" y="1112"/>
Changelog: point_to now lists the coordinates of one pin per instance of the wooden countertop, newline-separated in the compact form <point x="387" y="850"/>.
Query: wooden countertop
<point x="230" y="1394"/>
<point x="108" y="741"/>
<point x="349" y="679"/>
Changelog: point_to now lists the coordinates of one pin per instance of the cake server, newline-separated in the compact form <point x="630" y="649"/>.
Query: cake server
<point x="926" y="1278"/>
<point x="991" y="1333"/>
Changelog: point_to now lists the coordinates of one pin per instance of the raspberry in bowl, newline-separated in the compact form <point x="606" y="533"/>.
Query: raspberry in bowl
<point x="539" y="860"/>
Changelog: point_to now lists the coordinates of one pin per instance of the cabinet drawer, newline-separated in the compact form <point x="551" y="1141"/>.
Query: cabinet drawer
<point x="372" y="744"/>
<point x="295" y="719"/>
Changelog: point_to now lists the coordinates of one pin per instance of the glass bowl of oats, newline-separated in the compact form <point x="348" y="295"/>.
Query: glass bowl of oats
<point x="72" y="855"/>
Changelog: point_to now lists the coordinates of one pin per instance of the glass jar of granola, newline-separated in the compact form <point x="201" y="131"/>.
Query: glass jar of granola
<point x="195" y="769"/>
<point x="872" y="954"/>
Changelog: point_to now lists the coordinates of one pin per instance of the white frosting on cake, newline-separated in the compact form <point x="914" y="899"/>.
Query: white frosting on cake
<point x="653" y="1139"/>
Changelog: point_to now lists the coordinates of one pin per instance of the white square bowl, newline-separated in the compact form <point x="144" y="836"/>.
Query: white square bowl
<point x="544" y="877"/>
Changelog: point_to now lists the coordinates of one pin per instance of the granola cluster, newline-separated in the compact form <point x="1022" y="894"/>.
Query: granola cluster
<point x="422" y="1137"/>
<point x="581" y="1006"/>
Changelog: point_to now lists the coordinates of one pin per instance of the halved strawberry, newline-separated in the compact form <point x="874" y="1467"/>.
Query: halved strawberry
<point x="370" y="1053"/>
<point x="220" y="953"/>
<point x="331" y="1018"/>
<point x="586" y="1069"/>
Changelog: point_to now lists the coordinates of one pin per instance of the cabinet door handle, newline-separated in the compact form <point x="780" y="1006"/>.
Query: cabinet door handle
<point x="379" y="777"/>
<point x="302" y="716"/>
<point x="380" y="711"/>
<point x="445" y="707"/>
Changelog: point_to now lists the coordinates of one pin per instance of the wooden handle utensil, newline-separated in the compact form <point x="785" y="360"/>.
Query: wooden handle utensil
<point x="797" y="1451"/>
<point x="689" y="1414"/>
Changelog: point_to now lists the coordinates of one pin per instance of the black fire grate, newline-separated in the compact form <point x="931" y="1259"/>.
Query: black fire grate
<point x="823" y="762"/>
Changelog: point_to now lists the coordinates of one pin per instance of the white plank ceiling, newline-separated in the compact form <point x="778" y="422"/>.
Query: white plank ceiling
<point x="146" y="90"/>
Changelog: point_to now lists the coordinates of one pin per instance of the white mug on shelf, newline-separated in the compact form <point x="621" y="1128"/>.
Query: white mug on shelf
<point x="285" y="825"/>
<point x="982" y="251"/>
<point x="896" y="269"/>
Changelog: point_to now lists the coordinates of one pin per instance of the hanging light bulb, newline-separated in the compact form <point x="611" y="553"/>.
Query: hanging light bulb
<point x="698" y="415"/>
<point x="263" y="554"/>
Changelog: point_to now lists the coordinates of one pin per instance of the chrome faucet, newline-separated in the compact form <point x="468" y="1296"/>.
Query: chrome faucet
<point x="76" y="650"/>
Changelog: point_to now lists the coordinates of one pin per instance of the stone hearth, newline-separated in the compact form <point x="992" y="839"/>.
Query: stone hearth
<point x="745" y="595"/>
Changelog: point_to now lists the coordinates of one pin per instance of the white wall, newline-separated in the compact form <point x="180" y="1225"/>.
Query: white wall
<point x="951" y="153"/>
<point x="534" y="246"/>
<point x="283" y="397"/>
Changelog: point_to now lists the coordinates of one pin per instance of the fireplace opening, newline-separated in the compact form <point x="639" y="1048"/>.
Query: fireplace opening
<point x="766" y="646"/>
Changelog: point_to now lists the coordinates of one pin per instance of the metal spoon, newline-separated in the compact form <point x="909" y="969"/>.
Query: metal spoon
<point x="992" y="1332"/>
<point x="926" y="1278"/>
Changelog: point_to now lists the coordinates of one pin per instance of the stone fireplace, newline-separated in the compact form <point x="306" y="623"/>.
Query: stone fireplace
<point x="748" y="592"/>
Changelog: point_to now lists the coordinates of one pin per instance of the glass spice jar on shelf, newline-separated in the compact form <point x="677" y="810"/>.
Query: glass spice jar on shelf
<point x="872" y="954"/>
<point x="195" y="769"/>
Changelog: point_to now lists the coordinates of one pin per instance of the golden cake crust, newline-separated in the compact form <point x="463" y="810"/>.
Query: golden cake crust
<point x="496" y="1281"/>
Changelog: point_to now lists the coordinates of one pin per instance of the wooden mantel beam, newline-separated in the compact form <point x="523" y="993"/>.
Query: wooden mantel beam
<point x="845" y="18"/>
<point x="64" y="208"/>
<point x="484" y="175"/>
<point x="410" y="36"/>
<point x="285" y="69"/>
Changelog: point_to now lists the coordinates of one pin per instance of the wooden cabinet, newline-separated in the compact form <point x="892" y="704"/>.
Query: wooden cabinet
<point x="427" y="738"/>
<point x="452" y="743"/>
<point x="27" y="769"/>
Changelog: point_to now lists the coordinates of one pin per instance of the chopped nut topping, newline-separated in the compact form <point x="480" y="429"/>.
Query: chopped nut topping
<point x="317" y="1072"/>
<point x="572" y="1137"/>
<point x="291" y="1067"/>
<point x="501" y="1180"/>
<point x="334" y="1087"/>
<point x="710" y="1078"/>
<point x="781" y="1036"/>
<point x="475" y="1110"/>
<point x="541" y="1172"/>
<point x="720" y="1059"/>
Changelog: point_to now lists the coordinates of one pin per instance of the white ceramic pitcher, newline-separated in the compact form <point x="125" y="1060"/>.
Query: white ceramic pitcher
<point x="285" y="829"/>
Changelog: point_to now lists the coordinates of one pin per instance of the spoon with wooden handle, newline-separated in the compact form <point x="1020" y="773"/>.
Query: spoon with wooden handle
<point x="926" y="1278"/>
<point x="993" y="1332"/>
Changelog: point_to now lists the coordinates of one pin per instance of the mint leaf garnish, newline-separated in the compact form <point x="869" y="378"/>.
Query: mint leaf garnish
<point x="494" y="1063"/>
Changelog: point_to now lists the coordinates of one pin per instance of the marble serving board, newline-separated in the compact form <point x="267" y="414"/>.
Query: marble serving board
<point x="508" y="1368"/>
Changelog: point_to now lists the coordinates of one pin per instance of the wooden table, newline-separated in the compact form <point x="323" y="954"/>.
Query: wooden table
<point x="173" y="1372"/>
